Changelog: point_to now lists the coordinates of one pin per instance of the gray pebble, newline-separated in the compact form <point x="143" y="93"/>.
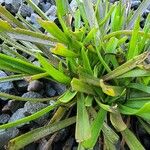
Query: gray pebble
<point x="32" y="95"/>
<point x="35" y="86"/>
<point x="20" y="113"/>
<point x="4" y="118"/>
<point x="6" y="135"/>
<point x="60" y="88"/>
<point x="25" y="10"/>
<point x="50" y="90"/>
<point x="5" y="86"/>
<point x="32" y="108"/>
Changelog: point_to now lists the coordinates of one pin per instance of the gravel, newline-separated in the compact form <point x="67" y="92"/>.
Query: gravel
<point x="32" y="95"/>
<point x="25" y="10"/>
<point x="4" y="118"/>
<point x="6" y="135"/>
<point x="5" y="86"/>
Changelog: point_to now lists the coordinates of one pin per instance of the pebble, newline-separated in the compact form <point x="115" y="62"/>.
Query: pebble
<point x="31" y="108"/>
<point x="35" y="86"/>
<point x="6" y="135"/>
<point x="50" y="90"/>
<point x="20" y="113"/>
<point x="14" y="105"/>
<point x="22" y="85"/>
<point x="60" y="88"/>
<point x="5" y="86"/>
<point x="25" y="10"/>
<point x="32" y="95"/>
<point x="135" y="4"/>
<point x="44" y="6"/>
<point x="33" y="19"/>
<point x="4" y="118"/>
<point x="13" y="5"/>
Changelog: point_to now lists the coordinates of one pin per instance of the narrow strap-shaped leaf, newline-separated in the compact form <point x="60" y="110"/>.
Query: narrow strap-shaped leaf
<point x="133" y="47"/>
<point x="128" y="66"/>
<point x="83" y="131"/>
<point x="25" y="67"/>
<point x="36" y="134"/>
<point x="96" y="127"/>
<point x="29" y="118"/>
<point x="53" y="29"/>
<point x="61" y="50"/>
<point x="5" y="14"/>
<point x="54" y="73"/>
<point x="143" y="112"/>
<point x="131" y="140"/>
<point x="18" y="98"/>
<point x="67" y="96"/>
<point x="140" y="87"/>
<point x="86" y="62"/>
<point x="80" y="86"/>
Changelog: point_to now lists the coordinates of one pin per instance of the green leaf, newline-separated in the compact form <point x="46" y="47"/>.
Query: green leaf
<point x="109" y="132"/>
<point x="143" y="112"/>
<point x="19" y="65"/>
<point x="140" y="87"/>
<point x="135" y="73"/>
<point x="128" y="66"/>
<point x="112" y="45"/>
<point x="29" y="118"/>
<point x="88" y="101"/>
<point x="117" y="122"/>
<point x="111" y="90"/>
<point x="67" y="96"/>
<point x="80" y="86"/>
<point x="96" y="128"/>
<point x="86" y="62"/>
<point x="131" y="140"/>
<point x="61" y="50"/>
<point x="54" y="73"/>
<point x="83" y="130"/>
<point x="36" y="134"/>
<point x="53" y="29"/>
<point x="133" y="46"/>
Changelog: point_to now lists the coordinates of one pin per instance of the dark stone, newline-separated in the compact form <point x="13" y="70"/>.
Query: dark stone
<point x="135" y="4"/>
<point x="60" y="88"/>
<point x="50" y="90"/>
<point x="35" y="86"/>
<point x="4" y="118"/>
<point x="22" y="85"/>
<point x="14" y="105"/>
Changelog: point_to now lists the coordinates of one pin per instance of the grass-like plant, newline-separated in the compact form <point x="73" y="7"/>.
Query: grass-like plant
<point x="100" y="53"/>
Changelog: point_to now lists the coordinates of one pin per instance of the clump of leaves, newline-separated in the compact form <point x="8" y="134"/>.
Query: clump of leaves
<point x="100" y="53"/>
